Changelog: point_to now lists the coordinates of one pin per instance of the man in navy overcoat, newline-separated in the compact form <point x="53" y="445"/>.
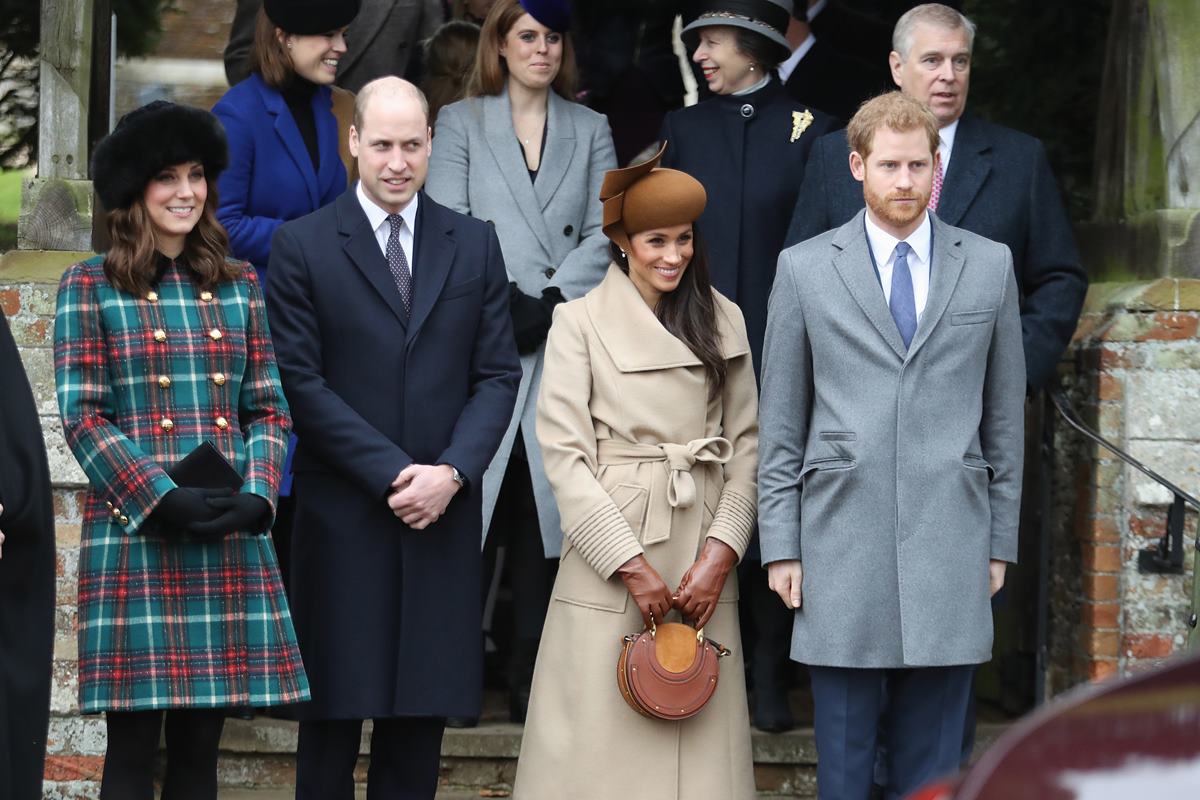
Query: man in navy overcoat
<point x="391" y="324"/>
<point x="996" y="183"/>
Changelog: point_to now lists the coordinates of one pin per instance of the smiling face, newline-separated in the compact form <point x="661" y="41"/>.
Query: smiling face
<point x="392" y="148"/>
<point x="532" y="52"/>
<point x="315" y="57"/>
<point x="174" y="199"/>
<point x="726" y="69"/>
<point x="897" y="178"/>
<point x="937" y="70"/>
<point x="658" y="258"/>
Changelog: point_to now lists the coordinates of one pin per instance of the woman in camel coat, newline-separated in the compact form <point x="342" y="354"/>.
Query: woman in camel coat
<point x="647" y="419"/>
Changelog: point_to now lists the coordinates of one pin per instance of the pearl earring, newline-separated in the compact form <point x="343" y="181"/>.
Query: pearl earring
<point x="752" y="68"/>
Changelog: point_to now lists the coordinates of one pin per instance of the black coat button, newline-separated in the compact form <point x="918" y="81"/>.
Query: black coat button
<point x="550" y="272"/>
<point x="747" y="111"/>
<point x="567" y="231"/>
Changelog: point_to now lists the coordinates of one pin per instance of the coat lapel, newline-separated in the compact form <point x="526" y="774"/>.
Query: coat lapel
<point x="327" y="138"/>
<point x="289" y="134"/>
<point x="970" y="163"/>
<point x="434" y="253"/>
<point x="634" y="338"/>
<point x="560" y="149"/>
<point x="944" y="270"/>
<point x="361" y="247"/>
<point x="497" y="120"/>
<point x="853" y="264"/>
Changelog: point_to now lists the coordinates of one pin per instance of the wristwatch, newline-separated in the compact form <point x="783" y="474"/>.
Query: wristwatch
<point x="459" y="478"/>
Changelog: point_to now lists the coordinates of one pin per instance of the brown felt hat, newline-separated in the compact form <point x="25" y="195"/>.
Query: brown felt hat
<point x="647" y="196"/>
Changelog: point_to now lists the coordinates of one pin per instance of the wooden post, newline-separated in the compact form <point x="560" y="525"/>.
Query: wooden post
<point x="56" y="206"/>
<point x="65" y="86"/>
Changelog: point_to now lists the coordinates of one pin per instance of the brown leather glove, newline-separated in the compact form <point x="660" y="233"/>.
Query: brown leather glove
<point x="646" y="587"/>
<point x="698" y="592"/>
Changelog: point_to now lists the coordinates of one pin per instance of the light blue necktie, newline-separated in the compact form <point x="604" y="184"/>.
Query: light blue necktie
<point x="902" y="304"/>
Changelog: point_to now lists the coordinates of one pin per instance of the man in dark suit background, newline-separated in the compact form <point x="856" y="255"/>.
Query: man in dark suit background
<point x="384" y="39"/>
<point x="391" y="325"/>
<point x="996" y="182"/>
<point x="820" y="75"/>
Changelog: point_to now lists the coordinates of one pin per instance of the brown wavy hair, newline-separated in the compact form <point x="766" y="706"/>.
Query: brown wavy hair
<point x="490" y="72"/>
<point x="690" y="312"/>
<point x="268" y="56"/>
<point x="131" y="260"/>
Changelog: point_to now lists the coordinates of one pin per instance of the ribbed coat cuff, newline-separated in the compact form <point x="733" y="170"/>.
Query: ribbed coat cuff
<point x="604" y="539"/>
<point x="733" y="522"/>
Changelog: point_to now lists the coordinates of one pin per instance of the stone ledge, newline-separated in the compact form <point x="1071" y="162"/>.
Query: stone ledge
<point x="37" y="266"/>
<point x="1163" y="294"/>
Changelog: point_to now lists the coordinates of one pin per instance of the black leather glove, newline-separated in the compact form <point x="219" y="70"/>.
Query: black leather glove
<point x="183" y="506"/>
<point x="647" y="588"/>
<point x="531" y="316"/>
<point x="241" y="512"/>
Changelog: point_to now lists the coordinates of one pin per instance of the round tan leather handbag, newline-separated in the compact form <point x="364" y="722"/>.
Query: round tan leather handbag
<point x="668" y="671"/>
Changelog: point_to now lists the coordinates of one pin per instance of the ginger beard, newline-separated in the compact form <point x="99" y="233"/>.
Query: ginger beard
<point x="897" y="208"/>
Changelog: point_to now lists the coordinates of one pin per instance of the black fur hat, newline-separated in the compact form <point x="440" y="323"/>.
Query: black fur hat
<point x="310" y="17"/>
<point x="157" y="135"/>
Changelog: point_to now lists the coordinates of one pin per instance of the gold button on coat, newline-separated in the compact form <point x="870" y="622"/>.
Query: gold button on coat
<point x="214" y="334"/>
<point x="206" y="297"/>
<point x="160" y="335"/>
<point x="222" y="423"/>
<point x="167" y="424"/>
<point x="124" y="520"/>
<point x="164" y="381"/>
<point x="219" y="378"/>
<point x="152" y="297"/>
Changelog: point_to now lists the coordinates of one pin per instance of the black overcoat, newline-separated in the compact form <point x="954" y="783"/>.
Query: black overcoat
<point x="388" y="618"/>
<point x="749" y="152"/>
<point x="999" y="185"/>
<point x="26" y="582"/>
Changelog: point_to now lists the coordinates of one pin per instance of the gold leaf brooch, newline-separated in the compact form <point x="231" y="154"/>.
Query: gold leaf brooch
<point x="800" y="122"/>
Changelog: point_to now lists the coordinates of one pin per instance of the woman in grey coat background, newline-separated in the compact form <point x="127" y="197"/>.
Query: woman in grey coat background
<point x="521" y="154"/>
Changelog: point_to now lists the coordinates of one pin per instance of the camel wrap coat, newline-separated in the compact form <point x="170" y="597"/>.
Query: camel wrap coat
<point x="641" y="460"/>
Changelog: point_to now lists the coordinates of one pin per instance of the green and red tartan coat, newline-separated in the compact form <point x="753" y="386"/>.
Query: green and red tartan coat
<point x="166" y="621"/>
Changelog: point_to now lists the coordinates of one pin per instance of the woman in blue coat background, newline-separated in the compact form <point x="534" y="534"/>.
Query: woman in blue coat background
<point x="283" y="135"/>
<point x="747" y="145"/>
<point x="284" y="159"/>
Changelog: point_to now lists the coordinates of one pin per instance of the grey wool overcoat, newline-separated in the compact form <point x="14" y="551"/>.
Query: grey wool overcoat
<point x="549" y="232"/>
<point x="893" y="473"/>
<point x="642" y="460"/>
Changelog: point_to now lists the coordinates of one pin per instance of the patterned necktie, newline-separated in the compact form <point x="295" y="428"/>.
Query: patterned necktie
<point x="398" y="264"/>
<point x="901" y="303"/>
<point x="936" y="194"/>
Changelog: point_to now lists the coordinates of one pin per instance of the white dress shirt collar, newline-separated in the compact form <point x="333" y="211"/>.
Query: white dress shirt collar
<point x="378" y="218"/>
<point x="786" y="68"/>
<point x="946" y="144"/>
<point x="883" y="248"/>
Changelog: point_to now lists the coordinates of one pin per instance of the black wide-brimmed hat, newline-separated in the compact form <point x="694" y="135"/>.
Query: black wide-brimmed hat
<point x="767" y="18"/>
<point x="309" y="17"/>
<point x="157" y="135"/>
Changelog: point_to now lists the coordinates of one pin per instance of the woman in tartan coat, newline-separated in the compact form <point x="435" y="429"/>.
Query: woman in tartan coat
<point x="160" y="345"/>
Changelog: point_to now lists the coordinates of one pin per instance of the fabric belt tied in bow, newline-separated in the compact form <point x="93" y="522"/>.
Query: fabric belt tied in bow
<point x="680" y="458"/>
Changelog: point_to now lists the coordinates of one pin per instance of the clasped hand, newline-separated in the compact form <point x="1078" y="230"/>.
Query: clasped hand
<point x="421" y="493"/>
<point x="212" y="513"/>
<point x="697" y="594"/>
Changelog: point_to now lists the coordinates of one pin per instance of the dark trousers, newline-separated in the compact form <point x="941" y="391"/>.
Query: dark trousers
<point x="405" y="755"/>
<point x="515" y="527"/>
<point x="921" y="712"/>
<point x="193" y="736"/>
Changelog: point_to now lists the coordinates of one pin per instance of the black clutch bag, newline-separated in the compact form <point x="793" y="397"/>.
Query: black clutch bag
<point x="206" y="468"/>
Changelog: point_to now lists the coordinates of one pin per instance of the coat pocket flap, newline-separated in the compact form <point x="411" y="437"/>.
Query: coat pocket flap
<point x="972" y="317"/>
<point x="825" y="464"/>
<point x="979" y="462"/>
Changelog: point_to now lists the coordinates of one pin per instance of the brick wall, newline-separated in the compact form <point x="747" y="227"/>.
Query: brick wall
<point x="196" y="28"/>
<point x="1137" y="382"/>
